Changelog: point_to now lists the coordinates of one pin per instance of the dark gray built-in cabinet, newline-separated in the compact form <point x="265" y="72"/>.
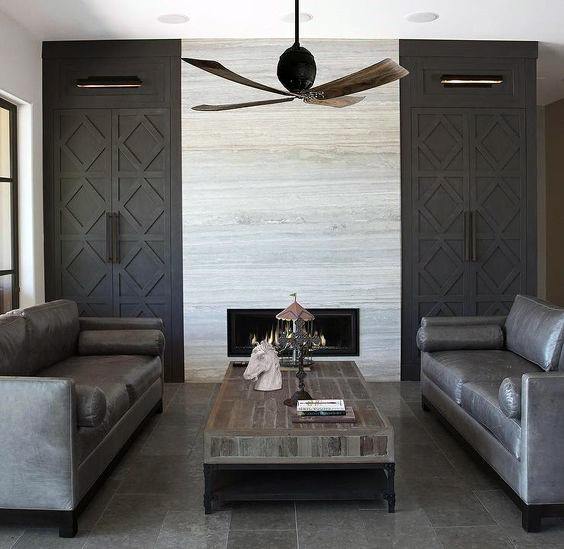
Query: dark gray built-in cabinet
<point x="112" y="192"/>
<point x="468" y="181"/>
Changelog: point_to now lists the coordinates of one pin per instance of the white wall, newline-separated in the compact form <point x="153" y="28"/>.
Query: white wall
<point x="290" y="197"/>
<point x="20" y="82"/>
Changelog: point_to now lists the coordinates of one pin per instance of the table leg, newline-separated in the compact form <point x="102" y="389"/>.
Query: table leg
<point x="389" y="493"/>
<point x="208" y="488"/>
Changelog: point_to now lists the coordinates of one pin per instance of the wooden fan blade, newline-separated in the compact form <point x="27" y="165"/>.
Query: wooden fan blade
<point x="338" y="102"/>
<point x="232" y="106"/>
<point x="371" y="77"/>
<point x="218" y="69"/>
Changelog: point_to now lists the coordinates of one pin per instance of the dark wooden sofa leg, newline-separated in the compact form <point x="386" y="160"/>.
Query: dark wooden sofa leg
<point x="424" y="404"/>
<point x="531" y="518"/>
<point x="68" y="526"/>
<point x="159" y="407"/>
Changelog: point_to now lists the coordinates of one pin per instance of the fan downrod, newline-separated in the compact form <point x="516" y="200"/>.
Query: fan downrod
<point x="296" y="68"/>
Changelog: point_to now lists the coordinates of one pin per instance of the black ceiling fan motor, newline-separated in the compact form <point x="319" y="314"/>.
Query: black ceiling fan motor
<point x="297" y="69"/>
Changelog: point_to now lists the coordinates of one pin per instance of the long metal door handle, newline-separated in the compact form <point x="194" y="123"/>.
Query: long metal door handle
<point x="115" y="234"/>
<point x="466" y="236"/>
<point x="109" y="240"/>
<point x="474" y="236"/>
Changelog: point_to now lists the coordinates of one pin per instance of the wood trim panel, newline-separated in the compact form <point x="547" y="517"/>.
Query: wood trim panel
<point x="496" y="113"/>
<point x="468" y="48"/>
<point x="164" y="95"/>
<point x="83" y="49"/>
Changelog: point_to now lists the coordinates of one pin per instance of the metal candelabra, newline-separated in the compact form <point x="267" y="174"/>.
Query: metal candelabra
<point x="300" y="341"/>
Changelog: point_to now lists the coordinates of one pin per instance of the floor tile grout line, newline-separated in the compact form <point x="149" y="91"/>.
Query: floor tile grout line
<point x="296" y="523"/>
<point x="229" y="528"/>
<point x="101" y="515"/>
<point x="18" y="539"/>
<point x="441" y="450"/>
<point x="161" y="528"/>
<point x="466" y="526"/>
<point x="422" y="508"/>
<point x="447" y="457"/>
<point x="480" y="500"/>
<point x="437" y="535"/>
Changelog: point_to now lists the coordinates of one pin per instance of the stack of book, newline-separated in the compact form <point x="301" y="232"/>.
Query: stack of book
<point x="323" y="411"/>
<point x="335" y="407"/>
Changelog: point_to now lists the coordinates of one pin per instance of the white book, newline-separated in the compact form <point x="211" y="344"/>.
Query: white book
<point x="322" y="405"/>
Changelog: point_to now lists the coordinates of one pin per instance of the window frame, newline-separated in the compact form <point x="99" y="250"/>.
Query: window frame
<point x="13" y="181"/>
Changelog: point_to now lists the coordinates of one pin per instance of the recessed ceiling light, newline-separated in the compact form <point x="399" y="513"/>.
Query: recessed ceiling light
<point x="422" y="17"/>
<point x="173" y="18"/>
<point x="304" y="17"/>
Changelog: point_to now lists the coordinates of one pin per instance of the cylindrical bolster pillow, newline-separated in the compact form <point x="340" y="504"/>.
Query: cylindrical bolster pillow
<point x="510" y="397"/>
<point x="90" y="405"/>
<point x="121" y="342"/>
<point x="459" y="338"/>
<point x="120" y="323"/>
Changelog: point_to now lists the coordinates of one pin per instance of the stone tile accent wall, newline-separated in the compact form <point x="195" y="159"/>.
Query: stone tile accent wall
<point x="290" y="197"/>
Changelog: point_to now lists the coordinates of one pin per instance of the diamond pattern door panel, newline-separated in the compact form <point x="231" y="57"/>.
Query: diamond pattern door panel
<point x="497" y="161"/>
<point x="141" y="196"/>
<point x="439" y="200"/>
<point x="82" y="196"/>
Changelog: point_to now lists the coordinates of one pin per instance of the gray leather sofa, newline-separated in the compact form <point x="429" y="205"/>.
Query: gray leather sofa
<point x="499" y="381"/>
<point x="73" y="391"/>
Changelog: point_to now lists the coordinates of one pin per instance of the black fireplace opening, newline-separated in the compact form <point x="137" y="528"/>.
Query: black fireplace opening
<point x="337" y="328"/>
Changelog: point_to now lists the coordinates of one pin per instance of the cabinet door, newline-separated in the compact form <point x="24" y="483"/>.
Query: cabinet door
<point x="499" y="205"/>
<point x="81" y="198"/>
<point x="141" y="198"/>
<point x="439" y="199"/>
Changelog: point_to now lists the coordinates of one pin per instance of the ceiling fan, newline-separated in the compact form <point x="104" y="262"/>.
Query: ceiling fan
<point x="296" y="72"/>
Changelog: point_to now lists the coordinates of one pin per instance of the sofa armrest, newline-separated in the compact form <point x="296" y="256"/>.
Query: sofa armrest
<point x="542" y="438"/>
<point x="121" y="342"/>
<point x="463" y="320"/>
<point x="37" y="430"/>
<point x="93" y="323"/>
<point x="459" y="337"/>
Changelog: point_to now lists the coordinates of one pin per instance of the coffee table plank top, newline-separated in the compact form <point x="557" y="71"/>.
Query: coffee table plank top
<point x="249" y="425"/>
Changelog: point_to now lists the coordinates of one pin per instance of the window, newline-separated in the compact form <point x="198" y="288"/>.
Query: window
<point x="9" y="287"/>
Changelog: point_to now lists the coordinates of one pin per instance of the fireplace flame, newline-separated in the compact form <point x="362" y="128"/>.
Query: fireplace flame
<point x="273" y="335"/>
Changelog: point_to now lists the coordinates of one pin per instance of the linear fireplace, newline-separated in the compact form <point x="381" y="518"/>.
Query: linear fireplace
<point x="337" y="328"/>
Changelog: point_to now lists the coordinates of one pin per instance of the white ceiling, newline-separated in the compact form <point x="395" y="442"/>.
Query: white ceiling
<point x="541" y="20"/>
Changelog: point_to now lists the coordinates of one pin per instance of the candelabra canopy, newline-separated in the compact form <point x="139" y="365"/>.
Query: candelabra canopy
<point x="295" y="311"/>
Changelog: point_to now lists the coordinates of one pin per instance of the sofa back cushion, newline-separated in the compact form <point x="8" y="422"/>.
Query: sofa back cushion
<point x="52" y="333"/>
<point x="12" y="347"/>
<point x="535" y="330"/>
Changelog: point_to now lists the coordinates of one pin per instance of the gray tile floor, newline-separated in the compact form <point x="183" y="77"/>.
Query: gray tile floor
<point x="154" y="497"/>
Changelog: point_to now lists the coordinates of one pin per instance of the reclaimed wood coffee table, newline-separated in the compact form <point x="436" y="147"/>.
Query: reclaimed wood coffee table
<point x="253" y="451"/>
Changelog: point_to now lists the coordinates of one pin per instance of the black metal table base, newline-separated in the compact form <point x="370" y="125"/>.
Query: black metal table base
<point x="228" y="483"/>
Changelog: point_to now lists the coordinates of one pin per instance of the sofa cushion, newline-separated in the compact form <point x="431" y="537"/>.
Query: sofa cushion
<point x="52" y="333"/>
<point x="535" y="330"/>
<point x="135" y="373"/>
<point x="12" y="347"/>
<point x="450" y="370"/>
<point x="83" y="373"/>
<point x="509" y="396"/>
<point x="121" y="342"/>
<point x="451" y="338"/>
<point x="480" y="400"/>
<point x="90" y="405"/>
